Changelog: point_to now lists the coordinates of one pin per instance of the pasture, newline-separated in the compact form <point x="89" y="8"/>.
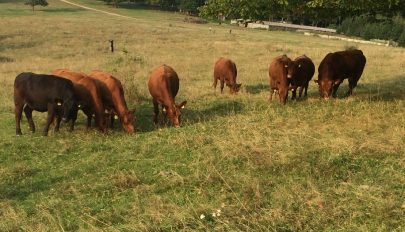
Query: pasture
<point x="310" y="165"/>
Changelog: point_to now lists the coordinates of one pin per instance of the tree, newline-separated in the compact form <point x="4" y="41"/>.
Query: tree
<point x="34" y="3"/>
<point x="114" y="2"/>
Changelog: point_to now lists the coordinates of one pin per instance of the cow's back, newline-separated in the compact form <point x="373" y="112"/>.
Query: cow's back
<point x="111" y="87"/>
<point x="306" y="68"/>
<point x="341" y="64"/>
<point x="30" y="88"/>
<point x="163" y="83"/>
<point x="226" y="69"/>
<point x="277" y="70"/>
<point x="354" y="60"/>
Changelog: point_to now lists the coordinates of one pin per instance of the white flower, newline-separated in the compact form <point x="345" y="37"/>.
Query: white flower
<point x="202" y="216"/>
<point x="214" y="214"/>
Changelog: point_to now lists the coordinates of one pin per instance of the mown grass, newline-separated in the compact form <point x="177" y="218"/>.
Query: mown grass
<point x="309" y="165"/>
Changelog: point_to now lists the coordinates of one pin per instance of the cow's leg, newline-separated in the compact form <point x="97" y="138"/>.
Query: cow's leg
<point x="294" y="94"/>
<point x="301" y="88"/>
<point x="335" y="88"/>
<point x="352" y="84"/>
<point x="155" y="111"/>
<point x="18" y="113"/>
<point x="28" y="113"/>
<point x="89" y="117"/>
<point x="112" y="117"/>
<point x="51" y="115"/>
<point x="222" y="85"/>
<point x="58" y="120"/>
<point x="283" y="96"/>
<point x="72" y="124"/>
<point x="306" y="89"/>
<point x="215" y="83"/>
<point x="271" y="94"/>
<point x="164" y="114"/>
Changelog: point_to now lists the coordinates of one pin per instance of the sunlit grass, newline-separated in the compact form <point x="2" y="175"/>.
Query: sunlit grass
<point x="309" y="165"/>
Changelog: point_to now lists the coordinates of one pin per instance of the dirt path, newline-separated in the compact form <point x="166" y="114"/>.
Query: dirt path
<point x="93" y="9"/>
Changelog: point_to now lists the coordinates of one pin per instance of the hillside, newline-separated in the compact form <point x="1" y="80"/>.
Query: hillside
<point x="309" y="165"/>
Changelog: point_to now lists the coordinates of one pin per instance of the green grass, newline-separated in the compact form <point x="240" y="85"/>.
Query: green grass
<point x="309" y="165"/>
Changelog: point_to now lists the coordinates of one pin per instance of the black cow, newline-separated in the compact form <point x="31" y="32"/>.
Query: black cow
<point x="336" y="67"/>
<point x="42" y="93"/>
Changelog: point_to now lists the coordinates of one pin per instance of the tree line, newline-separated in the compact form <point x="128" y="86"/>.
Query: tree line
<point x="310" y="12"/>
<point x="379" y="19"/>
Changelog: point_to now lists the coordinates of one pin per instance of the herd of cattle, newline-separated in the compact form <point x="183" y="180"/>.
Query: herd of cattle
<point x="101" y="95"/>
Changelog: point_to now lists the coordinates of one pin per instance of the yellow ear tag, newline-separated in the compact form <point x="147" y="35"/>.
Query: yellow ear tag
<point x="183" y="106"/>
<point x="59" y="104"/>
<point x="164" y="110"/>
<point x="79" y="106"/>
<point x="115" y="117"/>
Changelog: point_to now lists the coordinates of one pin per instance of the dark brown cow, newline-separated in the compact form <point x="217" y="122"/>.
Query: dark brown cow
<point x="163" y="86"/>
<point x="300" y="72"/>
<point x="44" y="93"/>
<point x="336" y="67"/>
<point x="114" y="96"/>
<point x="278" y="77"/>
<point x="225" y="71"/>
<point x="88" y="94"/>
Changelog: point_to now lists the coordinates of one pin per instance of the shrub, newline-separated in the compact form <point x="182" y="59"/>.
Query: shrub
<point x="369" y="27"/>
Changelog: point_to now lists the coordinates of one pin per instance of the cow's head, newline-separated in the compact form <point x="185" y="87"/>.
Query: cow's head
<point x="68" y="108"/>
<point x="128" y="121"/>
<point x="288" y="72"/>
<point x="235" y="88"/>
<point x="174" y="113"/>
<point x="325" y="82"/>
<point x="293" y="67"/>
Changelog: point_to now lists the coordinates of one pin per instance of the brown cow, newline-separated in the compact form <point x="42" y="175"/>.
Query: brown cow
<point x="89" y="96"/>
<point x="114" y="96"/>
<point x="336" y="67"/>
<point x="225" y="71"/>
<point x="163" y="86"/>
<point x="300" y="72"/>
<point x="278" y="77"/>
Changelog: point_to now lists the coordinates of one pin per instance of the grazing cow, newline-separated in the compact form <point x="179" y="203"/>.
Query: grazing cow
<point x="44" y="93"/>
<point x="163" y="86"/>
<point x="225" y="71"/>
<point x="278" y="77"/>
<point x="336" y="67"/>
<point x="114" y="94"/>
<point x="300" y="72"/>
<point x="88" y="95"/>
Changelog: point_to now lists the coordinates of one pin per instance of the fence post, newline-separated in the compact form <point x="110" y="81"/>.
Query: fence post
<point x="112" y="45"/>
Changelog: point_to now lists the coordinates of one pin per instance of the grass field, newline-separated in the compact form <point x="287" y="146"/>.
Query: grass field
<point x="311" y="165"/>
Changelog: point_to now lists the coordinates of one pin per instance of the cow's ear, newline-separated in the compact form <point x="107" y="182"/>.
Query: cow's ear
<point x="182" y="105"/>
<point x="316" y="81"/>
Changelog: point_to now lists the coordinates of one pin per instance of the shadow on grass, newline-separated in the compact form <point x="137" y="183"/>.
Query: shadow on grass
<point x="62" y="10"/>
<point x="255" y="89"/>
<point x="384" y="90"/>
<point x="144" y="114"/>
<point x="23" y="189"/>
